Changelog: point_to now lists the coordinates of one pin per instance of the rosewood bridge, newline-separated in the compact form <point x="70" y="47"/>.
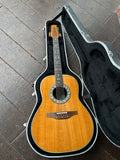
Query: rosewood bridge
<point x="62" y="115"/>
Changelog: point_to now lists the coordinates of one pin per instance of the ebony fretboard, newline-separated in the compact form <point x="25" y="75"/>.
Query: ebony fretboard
<point x="57" y="63"/>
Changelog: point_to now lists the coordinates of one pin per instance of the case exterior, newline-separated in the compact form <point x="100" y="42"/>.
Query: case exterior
<point x="100" y="67"/>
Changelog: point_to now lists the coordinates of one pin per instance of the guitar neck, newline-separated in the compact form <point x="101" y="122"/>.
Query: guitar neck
<point x="57" y="63"/>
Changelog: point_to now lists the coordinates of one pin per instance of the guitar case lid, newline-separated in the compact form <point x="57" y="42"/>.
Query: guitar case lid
<point x="100" y="67"/>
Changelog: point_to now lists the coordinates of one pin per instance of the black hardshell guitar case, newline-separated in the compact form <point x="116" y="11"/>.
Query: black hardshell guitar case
<point x="100" y="67"/>
<point x="50" y="71"/>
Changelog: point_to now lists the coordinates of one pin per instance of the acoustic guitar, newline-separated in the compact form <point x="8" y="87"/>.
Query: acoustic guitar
<point x="62" y="125"/>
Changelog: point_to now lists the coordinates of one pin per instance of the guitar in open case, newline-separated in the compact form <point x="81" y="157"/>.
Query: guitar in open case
<point x="61" y="124"/>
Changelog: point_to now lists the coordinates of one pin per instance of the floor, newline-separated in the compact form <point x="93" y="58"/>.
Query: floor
<point x="22" y="49"/>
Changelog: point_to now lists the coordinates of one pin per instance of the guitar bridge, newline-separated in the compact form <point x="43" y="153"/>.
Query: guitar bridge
<point x="62" y="115"/>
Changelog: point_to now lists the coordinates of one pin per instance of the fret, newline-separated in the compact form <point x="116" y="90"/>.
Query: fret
<point x="57" y="63"/>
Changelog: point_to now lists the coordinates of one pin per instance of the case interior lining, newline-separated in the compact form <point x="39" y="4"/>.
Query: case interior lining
<point x="101" y="78"/>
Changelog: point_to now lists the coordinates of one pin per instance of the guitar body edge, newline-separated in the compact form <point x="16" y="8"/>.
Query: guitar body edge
<point x="57" y="154"/>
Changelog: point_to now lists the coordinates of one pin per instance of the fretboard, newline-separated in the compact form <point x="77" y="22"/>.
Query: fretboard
<point x="57" y="63"/>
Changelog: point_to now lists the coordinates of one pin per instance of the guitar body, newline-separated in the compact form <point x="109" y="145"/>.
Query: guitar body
<point x="61" y="135"/>
<point x="60" y="127"/>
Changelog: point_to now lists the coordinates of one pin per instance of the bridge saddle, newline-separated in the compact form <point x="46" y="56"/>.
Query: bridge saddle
<point x="62" y="115"/>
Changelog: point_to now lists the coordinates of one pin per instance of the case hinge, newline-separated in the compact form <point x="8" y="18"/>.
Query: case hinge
<point x="57" y="16"/>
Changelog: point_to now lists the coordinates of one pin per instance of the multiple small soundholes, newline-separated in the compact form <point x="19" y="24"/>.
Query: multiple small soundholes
<point x="56" y="100"/>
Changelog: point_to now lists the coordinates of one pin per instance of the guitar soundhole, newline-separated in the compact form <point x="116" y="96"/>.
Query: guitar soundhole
<point x="59" y="94"/>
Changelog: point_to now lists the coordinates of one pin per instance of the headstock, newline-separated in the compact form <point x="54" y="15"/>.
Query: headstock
<point x="54" y="31"/>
